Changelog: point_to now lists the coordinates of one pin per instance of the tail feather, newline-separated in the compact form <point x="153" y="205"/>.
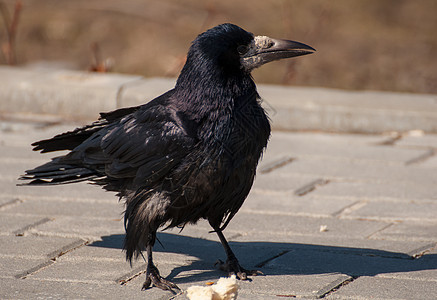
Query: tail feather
<point x="55" y="172"/>
<point x="71" y="139"/>
<point x="68" y="140"/>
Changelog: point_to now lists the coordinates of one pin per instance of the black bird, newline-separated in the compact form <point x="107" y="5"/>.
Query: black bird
<point x="190" y="153"/>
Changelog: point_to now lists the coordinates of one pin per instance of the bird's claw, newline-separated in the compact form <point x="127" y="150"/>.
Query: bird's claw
<point x="232" y="266"/>
<point x="154" y="279"/>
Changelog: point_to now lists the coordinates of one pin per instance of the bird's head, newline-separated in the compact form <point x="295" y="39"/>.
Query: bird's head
<point x="232" y="49"/>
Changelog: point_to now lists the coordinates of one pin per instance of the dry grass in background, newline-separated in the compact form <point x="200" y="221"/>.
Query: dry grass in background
<point x="362" y="44"/>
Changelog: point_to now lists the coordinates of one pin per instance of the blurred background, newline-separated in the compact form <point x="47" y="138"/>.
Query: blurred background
<point x="361" y="44"/>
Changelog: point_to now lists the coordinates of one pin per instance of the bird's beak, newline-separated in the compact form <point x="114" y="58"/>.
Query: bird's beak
<point x="264" y="49"/>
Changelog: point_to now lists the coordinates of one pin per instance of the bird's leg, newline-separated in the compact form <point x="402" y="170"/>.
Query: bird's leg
<point x="152" y="275"/>
<point x="232" y="266"/>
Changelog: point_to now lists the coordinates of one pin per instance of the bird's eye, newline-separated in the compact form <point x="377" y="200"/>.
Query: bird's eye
<point x="242" y="49"/>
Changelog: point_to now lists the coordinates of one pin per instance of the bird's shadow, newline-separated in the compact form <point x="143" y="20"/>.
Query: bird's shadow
<point x="278" y="258"/>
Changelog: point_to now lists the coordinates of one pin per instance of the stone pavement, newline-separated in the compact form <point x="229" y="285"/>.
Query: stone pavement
<point x="335" y="216"/>
<point x="330" y="216"/>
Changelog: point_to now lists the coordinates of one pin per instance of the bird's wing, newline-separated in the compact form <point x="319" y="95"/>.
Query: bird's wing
<point x="143" y="145"/>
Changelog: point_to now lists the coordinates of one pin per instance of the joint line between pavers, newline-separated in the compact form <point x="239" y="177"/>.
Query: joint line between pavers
<point x="276" y="164"/>
<point x="379" y="230"/>
<point x="10" y="202"/>
<point x="307" y="188"/>
<point x="349" y="208"/>
<point x="419" y="252"/>
<point x="131" y="275"/>
<point x="35" y="269"/>
<point x="335" y="286"/>
<point x="22" y="231"/>
<point x="421" y="158"/>
<point x="67" y="248"/>
<point x="263" y="263"/>
<point x="390" y="141"/>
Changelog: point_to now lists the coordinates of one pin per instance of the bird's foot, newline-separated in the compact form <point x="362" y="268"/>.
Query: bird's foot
<point x="232" y="266"/>
<point x="154" y="279"/>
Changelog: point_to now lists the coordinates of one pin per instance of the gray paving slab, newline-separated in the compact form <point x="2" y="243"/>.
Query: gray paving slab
<point x="347" y="111"/>
<point x="24" y="133"/>
<point x="264" y="223"/>
<point x="44" y="289"/>
<point x="430" y="162"/>
<point x="413" y="231"/>
<point x="142" y="91"/>
<point x="290" y="286"/>
<point x="352" y="263"/>
<point x="378" y="190"/>
<point x="79" y="269"/>
<point x="386" y="288"/>
<point x="87" y="228"/>
<point x="289" y="203"/>
<point x="106" y="210"/>
<point x="272" y="182"/>
<point x="10" y="224"/>
<point x="36" y="246"/>
<point x="81" y="192"/>
<point x="358" y="170"/>
<point x="13" y="266"/>
<point x="387" y="210"/>
<point x="334" y="145"/>
<point x="52" y="92"/>
<point x="418" y="140"/>
<point x="372" y="247"/>
<point x="424" y="269"/>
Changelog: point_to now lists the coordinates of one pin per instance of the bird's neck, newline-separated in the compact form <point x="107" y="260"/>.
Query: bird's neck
<point x="207" y="92"/>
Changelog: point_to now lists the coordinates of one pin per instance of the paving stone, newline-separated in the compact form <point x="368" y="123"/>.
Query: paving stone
<point x="23" y="134"/>
<point x="44" y="289"/>
<point x="388" y="210"/>
<point x="142" y="91"/>
<point x="280" y="183"/>
<point x="12" y="266"/>
<point x="264" y="223"/>
<point x="265" y="202"/>
<point x="68" y="208"/>
<point x="425" y="268"/>
<point x="12" y="224"/>
<point x="51" y="92"/>
<point x="106" y="247"/>
<point x="432" y="251"/>
<point x="425" y="140"/>
<point x="87" y="228"/>
<point x="374" y="190"/>
<point x="20" y="154"/>
<point x="208" y="251"/>
<point x="345" y="244"/>
<point x="35" y="246"/>
<point x="348" y="111"/>
<point x="412" y="231"/>
<point x="430" y="162"/>
<point x="290" y="286"/>
<point x="351" y="169"/>
<point x="68" y="268"/>
<point x="74" y="192"/>
<point x="386" y="288"/>
<point x="300" y="261"/>
<point x="331" y="145"/>
<point x="7" y="201"/>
